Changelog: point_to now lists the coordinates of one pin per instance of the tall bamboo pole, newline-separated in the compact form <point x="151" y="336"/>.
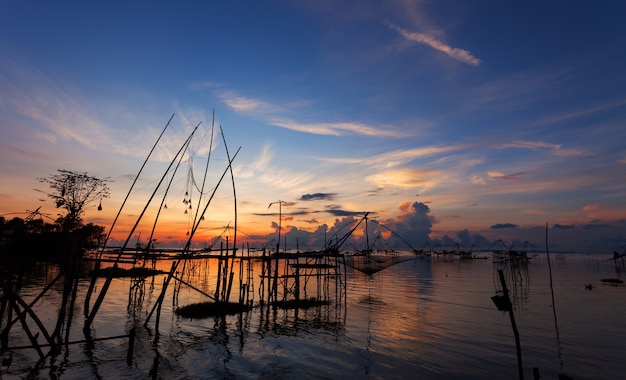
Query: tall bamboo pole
<point x="107" y="283"/>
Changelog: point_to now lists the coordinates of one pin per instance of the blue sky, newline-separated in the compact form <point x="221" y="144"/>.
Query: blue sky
<point x="436" y="117"/>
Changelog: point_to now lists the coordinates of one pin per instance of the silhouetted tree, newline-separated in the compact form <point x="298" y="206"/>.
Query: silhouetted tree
<point x="90" y="235"/>
<point x="74" y="191"/>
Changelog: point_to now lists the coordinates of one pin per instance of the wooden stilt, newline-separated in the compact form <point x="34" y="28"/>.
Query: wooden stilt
<point x="33" y="339"/>
<point x="28" y="310"/>
<point x="131" y="346"/>
<point x="505" y="291"/>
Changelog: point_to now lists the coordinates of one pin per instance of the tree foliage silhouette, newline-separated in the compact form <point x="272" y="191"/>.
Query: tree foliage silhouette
<point x="74" y="191"/>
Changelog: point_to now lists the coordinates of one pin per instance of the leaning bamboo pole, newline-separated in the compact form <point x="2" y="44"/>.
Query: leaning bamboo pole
<point x="197" y="224"/>
<point x="219" y="273"/>
<point x="8" y="290"/>
<point x="206" y="169"/>
<point x="167" y="189"/>
<point x="159" y="301"/>
<point x="29" y="334"/>
<point x="138" y="174"/>
<point x="232" y="178"/>
<point x="188" y="243"/>
<point x="97" y="267"/>
<point x="34" y="301"/>
<point x="109" y="278"/>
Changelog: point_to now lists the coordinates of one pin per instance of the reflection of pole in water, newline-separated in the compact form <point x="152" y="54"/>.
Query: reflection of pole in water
<point x="619" y="260"/>
<point x="556" y="326"/>
<point x="516" y="273"/>
<point x="298" y="292"/>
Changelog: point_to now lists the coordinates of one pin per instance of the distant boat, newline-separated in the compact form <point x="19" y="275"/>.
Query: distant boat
<point x="612" y="281"/>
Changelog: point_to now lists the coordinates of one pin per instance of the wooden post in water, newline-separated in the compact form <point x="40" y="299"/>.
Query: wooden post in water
<point x="241" y="282"/>
<point x="219" y="272"/>
<point x="159" y="300"/>
<point x="297" y="280"/>
<point x="73" y="298"/>
<point x="275" y="283"/>
<point x="26" y="329"/>
<point x="22" y="316"/>
<point x="250" y="278"/>
<point x="131" y="346"/>
<point x="231" y="275"/>
<point x="158" y="305"/>
<point x="505" y="291"/>
<point x="285" y="277"/>
<point x="263" y="274"/>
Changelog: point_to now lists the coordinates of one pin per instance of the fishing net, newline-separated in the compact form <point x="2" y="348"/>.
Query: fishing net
<point x="370" y="264"/>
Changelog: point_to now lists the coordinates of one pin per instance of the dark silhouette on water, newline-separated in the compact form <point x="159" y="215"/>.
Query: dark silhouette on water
<point x="503" y="303"/>
<point x="556" y="325"/>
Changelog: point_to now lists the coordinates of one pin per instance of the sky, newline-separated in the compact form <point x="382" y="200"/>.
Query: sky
<point x="447" y="121"/>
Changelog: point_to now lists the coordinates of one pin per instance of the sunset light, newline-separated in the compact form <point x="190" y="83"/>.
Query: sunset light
<point x="463" y="124"/>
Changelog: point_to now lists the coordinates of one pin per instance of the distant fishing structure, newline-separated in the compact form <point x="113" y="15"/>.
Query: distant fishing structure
<point x="280" y="220"/>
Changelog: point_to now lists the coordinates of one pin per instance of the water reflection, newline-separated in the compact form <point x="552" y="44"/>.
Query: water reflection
<point x="515" y="270"/>
<point x="428" y="318"/>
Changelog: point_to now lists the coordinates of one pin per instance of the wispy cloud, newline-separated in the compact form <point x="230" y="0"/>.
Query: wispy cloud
<point x="338" y="129"/>
<point x="569" y="152"/>
<point x="599" y="211"/>
<point x="35" y="96"/>
<point x="245" y="105"/>
<point x="581" y="113"/>
<point x="272" y="114"/>
<point x="455" y="53"/>
<point x="395" y="158"/>
<point x="557" y="149"/>
<point x="405" y="178"/>
<point x="60" y="113"/>
<point x="477" y="180"/>
<point x="260" y="164"/>
<point x="506" y="177"/>
<point x="399" y="157"/>
<point x="285" y="179"/>
<point x="203" y="85"/>
<point x="529" y="145"/>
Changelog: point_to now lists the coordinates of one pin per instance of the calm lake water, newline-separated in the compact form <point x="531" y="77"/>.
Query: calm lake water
<point x="428" y="318"/>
